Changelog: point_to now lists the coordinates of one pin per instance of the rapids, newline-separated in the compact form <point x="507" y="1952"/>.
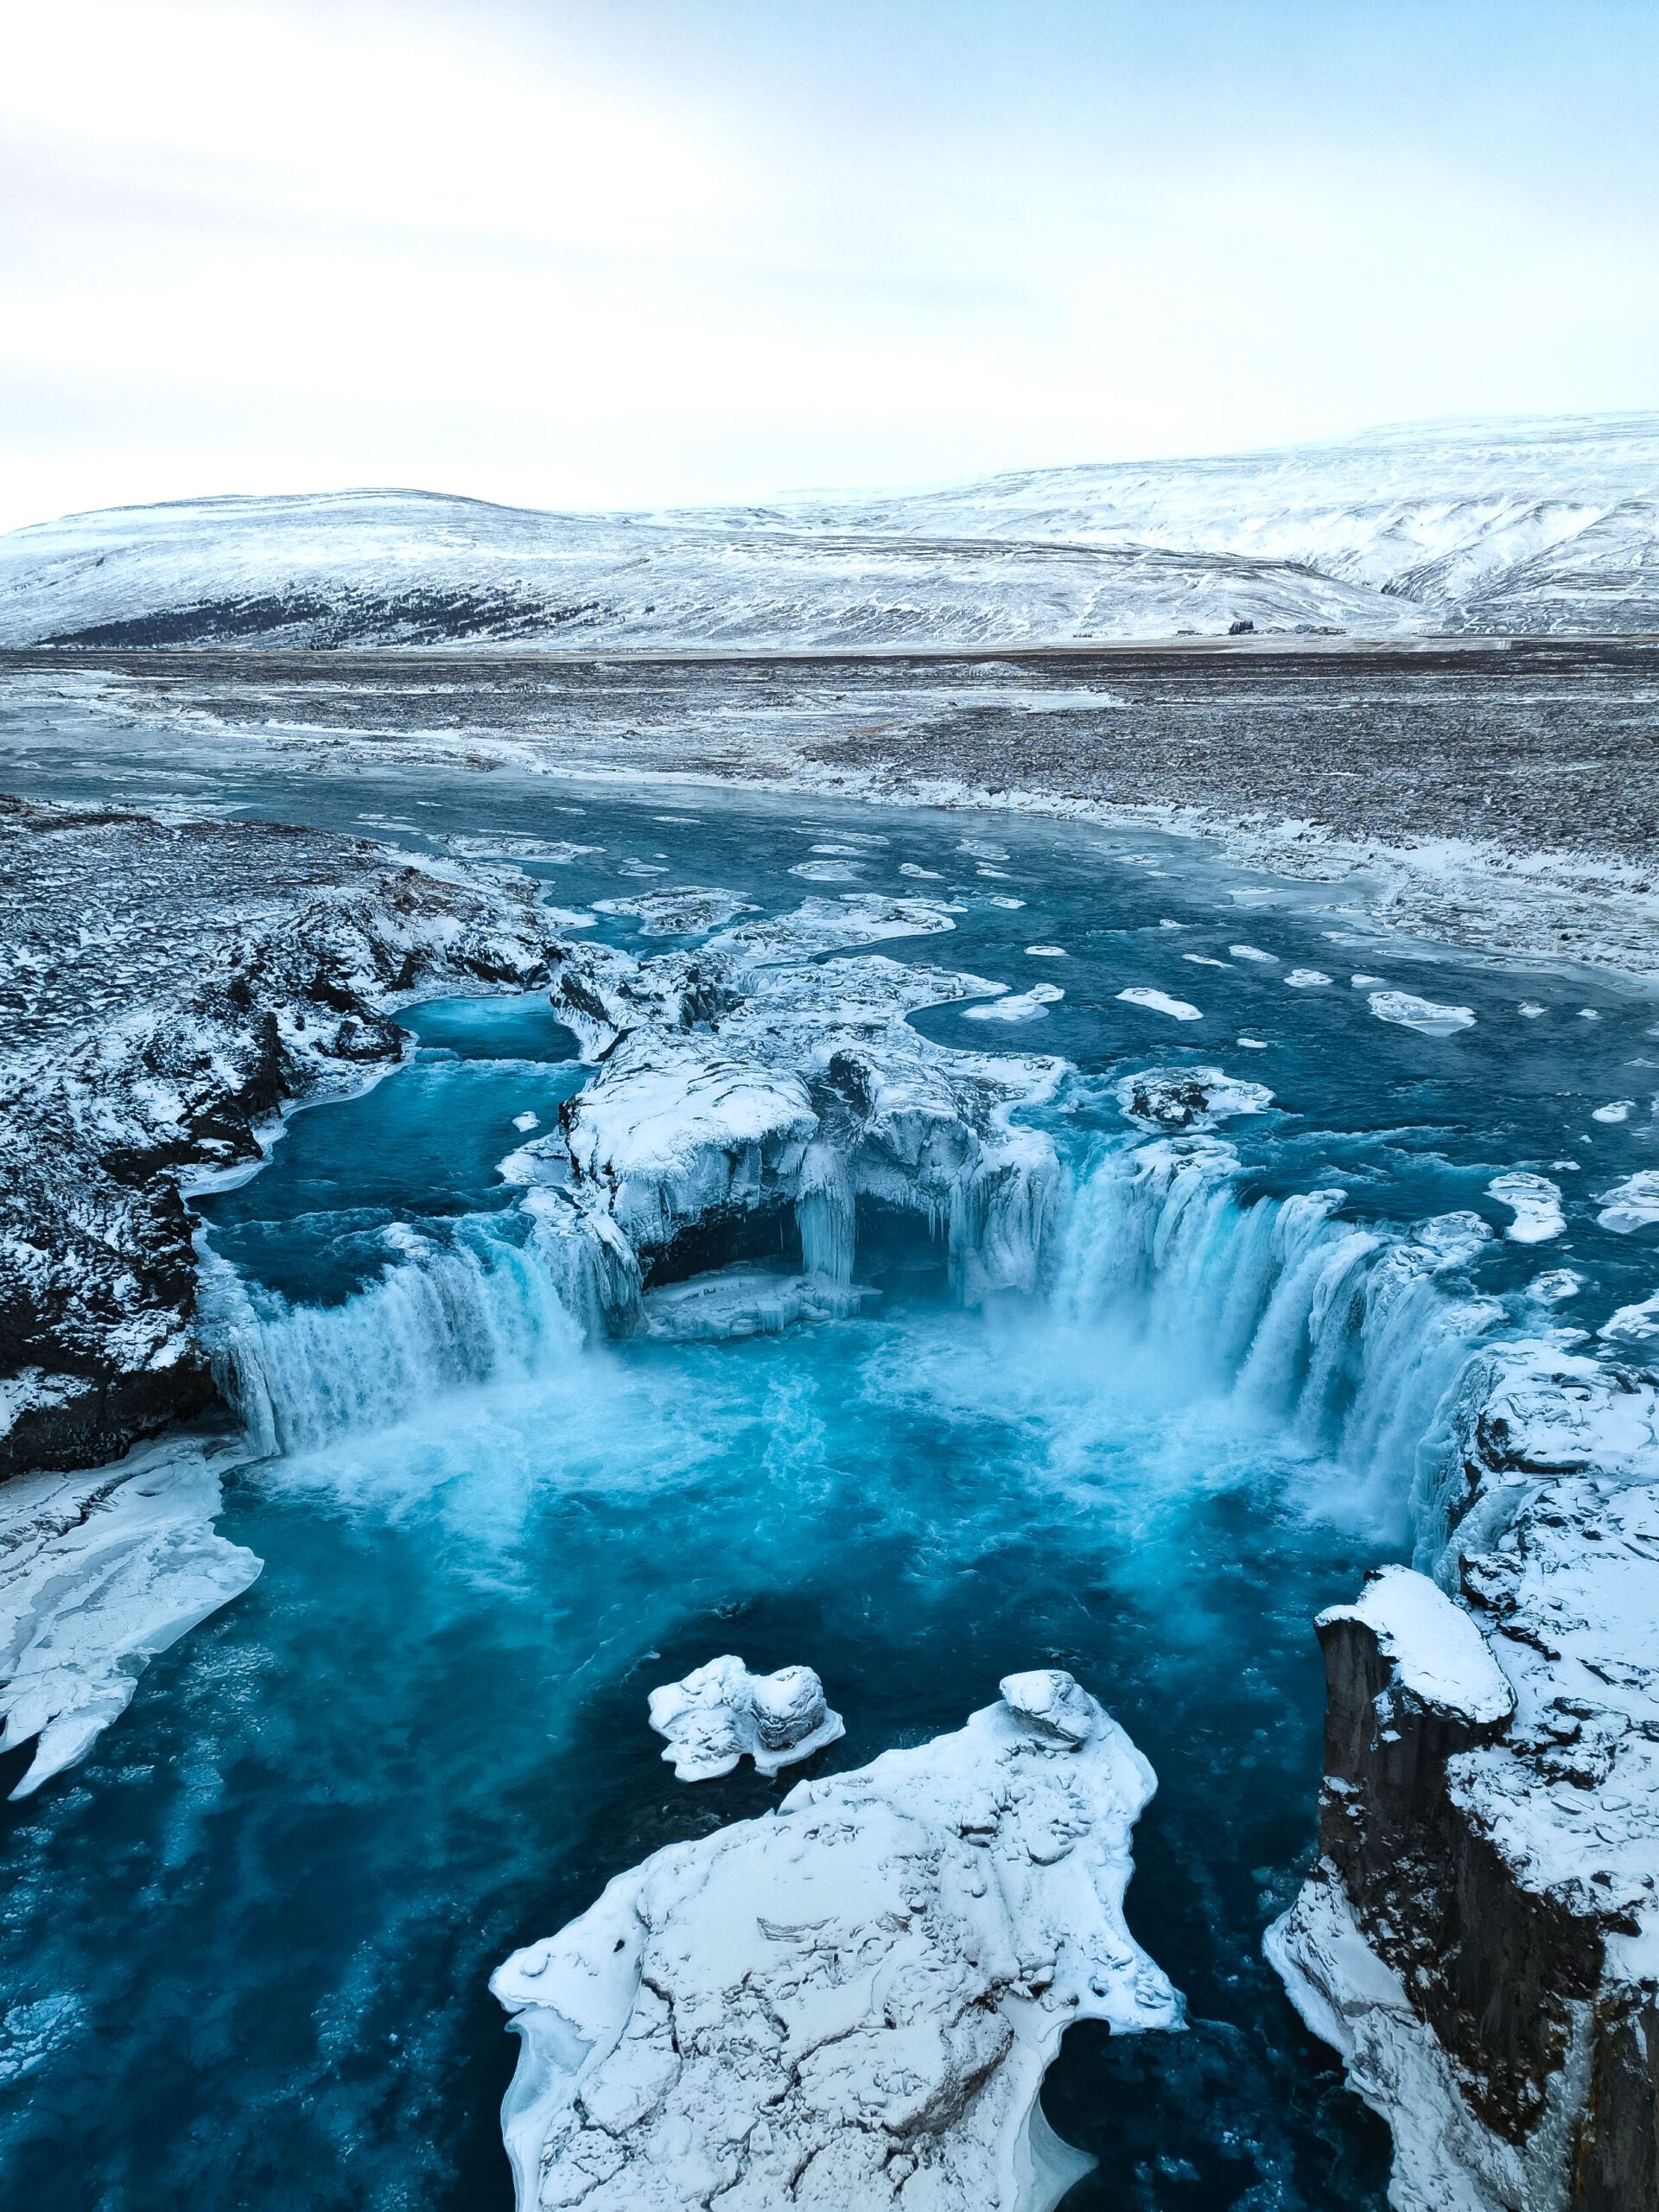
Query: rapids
<point x="245" y="1944"/>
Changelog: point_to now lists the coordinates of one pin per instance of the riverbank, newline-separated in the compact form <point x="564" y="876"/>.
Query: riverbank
<point x="1496" y="794"/>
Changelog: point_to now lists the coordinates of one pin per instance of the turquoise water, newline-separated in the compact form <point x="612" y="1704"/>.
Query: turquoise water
<point x="245" y="1944"/>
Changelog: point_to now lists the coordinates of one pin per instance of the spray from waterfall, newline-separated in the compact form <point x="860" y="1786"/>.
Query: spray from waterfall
<point x="1350" y="1336"/>
<point x="481" y="1309"/>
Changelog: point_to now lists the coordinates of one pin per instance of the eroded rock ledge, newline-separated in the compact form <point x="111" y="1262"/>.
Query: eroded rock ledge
<point x="165" y="987"/>
<point x="751" y="1095"/>
<point x="851" y="2002"/>
<point x="1480" y="1938"/>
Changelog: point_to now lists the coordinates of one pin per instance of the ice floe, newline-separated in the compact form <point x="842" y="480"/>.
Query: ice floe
<point x="852" y="2001"/>
<point x="1534" y="1201"/>
<point x="1253" y="952"/>
<point x="1422" y="1015"/>
<point x="828" y="871"/>
<point x="1631" y="1205"/>
<point x="1307" y="979"/>
<point x="1046" y="952"/>
<point x="1616" y="1109"/>
<point x="1023" y="1006"/>
<point x="720" y="1713"/>
<point x="691" y="911"/>
<point x="1161" y="1002"/>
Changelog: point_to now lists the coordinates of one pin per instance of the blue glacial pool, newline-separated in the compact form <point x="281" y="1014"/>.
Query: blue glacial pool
<point x="245" y="1945"/>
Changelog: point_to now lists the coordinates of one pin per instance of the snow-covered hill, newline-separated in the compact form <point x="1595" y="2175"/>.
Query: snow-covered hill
<point x="1527" y="525"/>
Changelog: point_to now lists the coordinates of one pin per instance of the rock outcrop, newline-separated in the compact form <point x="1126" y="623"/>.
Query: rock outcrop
<point x="721" y="1713"/>
<point x="751" y="1095"/>
<point x="165" y="987"/>
<point x="852" y="2001"/>
<point x="1480" y="1938"/>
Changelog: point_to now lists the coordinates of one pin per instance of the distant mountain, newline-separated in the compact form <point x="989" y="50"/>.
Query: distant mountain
<point x="1528" y="525"/>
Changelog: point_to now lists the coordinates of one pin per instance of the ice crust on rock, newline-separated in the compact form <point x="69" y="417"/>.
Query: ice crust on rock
<point x="721" y="1713"/>
<point x="1188" y="1098"/>
<point x="1534" y="1201"/>
<point x="1636" y="1323"/>
<point x="1423" y="1014"/>
<point x="851" y="2002"/>
<point x="98" y="1572"/>
<point x="746" y="1301"/>
<point x="754" y="1086"/>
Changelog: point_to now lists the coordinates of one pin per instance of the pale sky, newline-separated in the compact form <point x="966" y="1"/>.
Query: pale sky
<point x="627" y="252"/>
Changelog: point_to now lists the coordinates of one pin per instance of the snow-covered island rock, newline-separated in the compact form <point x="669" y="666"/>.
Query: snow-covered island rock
<point x="852" y="2002"/>
<point x="749" y="1096"/>
<point x="1188" y="1098"/>
<point x="721" y="1713"/>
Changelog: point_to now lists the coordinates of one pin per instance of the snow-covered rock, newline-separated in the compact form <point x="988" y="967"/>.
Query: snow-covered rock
<point x="851" y="2002"/>
<point x="691" y="911"/>
<point x="747" y="1096"/>
<point x="1480" y="1938"/>
<point x="721" y="1713"/>
<point x="168" y="986"/>
<point x="98" y="1573"/>
<point x="1188" y="1098"/>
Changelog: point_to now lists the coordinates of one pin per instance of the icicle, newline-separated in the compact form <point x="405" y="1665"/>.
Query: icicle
<point x="825" y="1213"/>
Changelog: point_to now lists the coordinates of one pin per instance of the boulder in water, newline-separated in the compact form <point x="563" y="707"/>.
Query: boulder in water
<point x="721" y="1713"/>
<point x="853" y="2001"/>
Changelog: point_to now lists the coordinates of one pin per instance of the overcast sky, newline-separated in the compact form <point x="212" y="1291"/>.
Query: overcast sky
<point x="632" y="251"/>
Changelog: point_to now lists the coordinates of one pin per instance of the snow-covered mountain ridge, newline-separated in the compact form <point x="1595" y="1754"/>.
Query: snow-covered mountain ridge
<point x="1527" y="525"/>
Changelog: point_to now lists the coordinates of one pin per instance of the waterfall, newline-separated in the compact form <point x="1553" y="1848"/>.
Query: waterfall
<point x="481" y="1309"/>
<point x="1345" y="1332"/>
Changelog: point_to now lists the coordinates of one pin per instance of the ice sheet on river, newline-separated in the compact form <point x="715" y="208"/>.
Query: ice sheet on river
<point x="99" y="1571"/>
<point x="852" y="2001"/>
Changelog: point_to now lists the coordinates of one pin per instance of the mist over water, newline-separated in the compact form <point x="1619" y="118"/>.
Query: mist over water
<point x="246" y="1942"/>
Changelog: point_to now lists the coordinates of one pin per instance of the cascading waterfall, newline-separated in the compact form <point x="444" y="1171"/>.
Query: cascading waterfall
<point x="1340" y="1329"/>
<point x="481" y="1309"/>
